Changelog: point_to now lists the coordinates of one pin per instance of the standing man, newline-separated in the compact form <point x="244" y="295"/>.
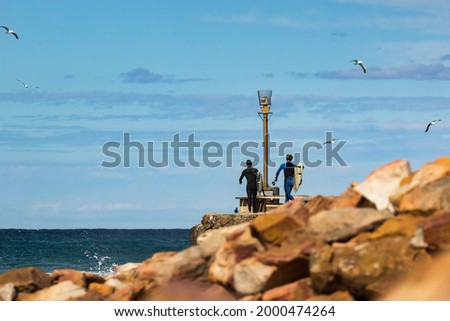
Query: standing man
<point x="250" y="174"/>
<point x="288" y="169"/>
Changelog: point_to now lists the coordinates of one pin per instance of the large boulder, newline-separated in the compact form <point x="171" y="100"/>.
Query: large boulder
<point x="412" y="192"/>
<point x="367" y="269"/>
<point x="382" y="182"/>
<point x="62" y="291"/>
<point x="429" y="283"/>
<point x="343" y="224"/>
<point x="26" y="279"/>
<point x="433" y="232"/>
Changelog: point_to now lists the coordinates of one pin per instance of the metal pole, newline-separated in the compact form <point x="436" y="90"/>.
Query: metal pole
<point x="266" y="150"/>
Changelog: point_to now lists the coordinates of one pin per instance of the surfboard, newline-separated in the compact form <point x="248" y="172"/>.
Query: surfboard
<point x="259" y="183"/>
<point x="298" y="171"/>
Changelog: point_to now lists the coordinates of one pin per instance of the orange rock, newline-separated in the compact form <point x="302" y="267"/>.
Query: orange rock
<point x="319" y="203"/>
<point x="351" y="198"/>
<point x="428" y="173"/>
<point x="75" y="276"/>
<point x="344" y="223"/>
<point x="26" y="279"/>
<point x="428" y="283"/>
<point x="436" y="230"/>
<point x="401" y="225"/>
<point x="62" y="291"/>
<point x="102" y="289"/>
<point x="272" y="227"/>
<point x="187" y="290"/>
<point x="427" y="199"/>
<point x="381" y="183"/>
<point x="296" y="291"/>
<point x="239" y="247"/>
<point x="335" y="296"/>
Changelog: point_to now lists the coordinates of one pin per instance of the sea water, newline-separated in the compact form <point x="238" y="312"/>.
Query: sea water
<point x="89" y="250"/>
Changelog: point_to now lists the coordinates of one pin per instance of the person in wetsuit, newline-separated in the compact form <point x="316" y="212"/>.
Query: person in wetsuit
<point x="288" y="169"/>
<point x="250" y="174"/>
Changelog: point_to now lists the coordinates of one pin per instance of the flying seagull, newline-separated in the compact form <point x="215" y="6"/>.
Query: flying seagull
<point x="331" y="141"/>
<point x="26" y="85"/>
<point x="11" y="32"/>
<point x="431" y="124"/>
<point x="359" y="62"/>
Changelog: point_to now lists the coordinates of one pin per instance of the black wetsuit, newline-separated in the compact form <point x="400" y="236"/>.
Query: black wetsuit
<point x="252" y="189"/>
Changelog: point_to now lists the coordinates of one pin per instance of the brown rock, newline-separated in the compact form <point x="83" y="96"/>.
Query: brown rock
<point x="428" y="173"/>
<point x="103" y="289"/>
<point x="88" y="296"/>
<point x="401" y="225"/>
<point x="188" y="263"/>
<point x="272" y="227"/>
<point x="125" y="267"/>
<point x="115" y="283"/>
<point x="212" y="240"/>
<point x="291" y="263"/>
<point x="368" y="269"/>
<point x="319" y="203"/>
<point x="187" y="290"/>
<point x="151" y="267"/>
<point x="351" y="198"/>
<point x="241" y="246"/>
<point x="335" y="296"/>
<point x="305" y="242"/>
<point x="427" y="199"/>
<point x="62" y="275"/>
<point x="296" y="291"/>
<point x="92" y="277"/>
<point x="250" y="276"/>
<point x="251" y="297"/>
<point x="343" y="224"/>
<point x="62" y="291"/>
<point x="296" y="209"/>
<point x="323" y="275"/>
<point x="128" y="293"/>
<point x="428" y="283"/>
<point x="380" y="184"/>
<point x="435" y="231"/>
<point x="26" y="279"/>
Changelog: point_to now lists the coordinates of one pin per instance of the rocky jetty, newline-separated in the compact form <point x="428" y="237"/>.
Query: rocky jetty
<point x="386" y="238"/>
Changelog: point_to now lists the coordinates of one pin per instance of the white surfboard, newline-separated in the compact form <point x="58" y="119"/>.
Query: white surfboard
<point x="298" y="171"/>
<point x="259" y="183"/>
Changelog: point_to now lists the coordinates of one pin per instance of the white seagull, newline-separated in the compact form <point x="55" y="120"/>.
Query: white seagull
<point x="26" y="85"/>
<point x="359" y="62"/>
<point x="331" y="141"/>
<point x="11" y="32"/>
<point x="431" y="124"/>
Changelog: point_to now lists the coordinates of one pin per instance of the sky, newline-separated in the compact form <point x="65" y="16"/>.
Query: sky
<point x="139" y="114"/>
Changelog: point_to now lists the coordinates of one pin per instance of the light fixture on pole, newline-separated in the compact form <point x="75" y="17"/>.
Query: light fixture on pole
<point x="265" y="102"/>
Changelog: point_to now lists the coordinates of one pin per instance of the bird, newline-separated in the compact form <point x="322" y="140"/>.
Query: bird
<point x="331" y="141"/>
<point x="359" y="62"/>
<point x="431" y="124"/>
<point x="11" y="32"/>
<point x="26" y="85"/>
<point x="236" y="210"/>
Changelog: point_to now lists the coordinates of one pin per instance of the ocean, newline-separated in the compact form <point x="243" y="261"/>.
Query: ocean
<point x="88" y="250"/>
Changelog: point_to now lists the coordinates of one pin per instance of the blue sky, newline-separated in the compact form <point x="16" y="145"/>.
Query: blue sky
<point x="155" y="69"/>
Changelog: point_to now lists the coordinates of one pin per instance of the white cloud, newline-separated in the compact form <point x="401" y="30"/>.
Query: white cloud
<point x="109" y="207"/>
<point x="47" y="209"/>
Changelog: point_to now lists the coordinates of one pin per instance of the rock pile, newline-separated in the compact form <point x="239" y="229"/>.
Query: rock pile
<point x="386" y="238"/>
